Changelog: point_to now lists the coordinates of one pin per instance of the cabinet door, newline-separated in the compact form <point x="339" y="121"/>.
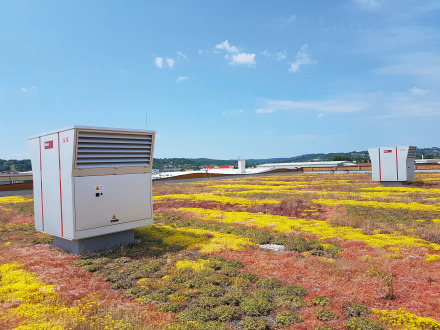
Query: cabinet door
<point x="109" y="200"/>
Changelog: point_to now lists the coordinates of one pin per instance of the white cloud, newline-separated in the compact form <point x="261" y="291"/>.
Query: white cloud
<point x="170" y="62"/>
<point x="410" y="104"/>
<point x="340" y="105"/>
<point x="182" y="56"/>
<point x="226" y="46"/>
<point x="202" y="52"/>
<point x="29" y="89"/>
<point x="416" y="102"/>
<point x="233" y="53"/>
<point x="280" y="56"/>
<point x="291" y="19"/>
<point x="421" y="65"/>
<point x="232" y="112"/>
<point x="159" y="62"/>
<point x="264" y="110"/>
<point x="243" y="59"/>
<point x="418" y="91"/>
<point x="303" y="137"/>
<point x="180" y="79"/>
<point x="369" y="4"/>
<point x="302" y="57"/>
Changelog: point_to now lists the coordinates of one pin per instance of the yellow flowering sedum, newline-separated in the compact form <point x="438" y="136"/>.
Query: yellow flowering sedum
<point x="432" y="258"/>
<point x="39" y="303"/>
<point x="319" y="227"/>
<point x="404" y="320"/>
<point x="430" y="191"/>
<point x="406" y="206"/>
<point x="259" y="186"/>
<point x="215" y="198"/>
<point x="196" y="265"/>
<point x="193" y="238"/>
<point x="14" y="199"/>
<point x="39" y="306"/>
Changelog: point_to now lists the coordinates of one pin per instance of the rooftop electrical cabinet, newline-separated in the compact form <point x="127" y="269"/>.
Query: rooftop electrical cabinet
<point x="392" y="164"/>
<point x="92" y="181"/>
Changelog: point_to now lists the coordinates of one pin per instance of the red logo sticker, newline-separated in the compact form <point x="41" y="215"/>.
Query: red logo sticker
<point x="387" y="151"/>
<point x="48" y="144"/>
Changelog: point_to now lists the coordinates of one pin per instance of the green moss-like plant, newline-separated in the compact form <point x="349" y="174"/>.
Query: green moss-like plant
<point x="363" y="323"/>
<point x="229" y="271"/>
<point x="323" y="314"/>
<point x="296" y="290"/>
<point x="261" y="293"/>
<point x="182" y="277"/>
<point x="153" y="266"/>
<point x="212" y="290"/>
<point x="356" y="310"/>
<point x="287" y="318"/>
<point x="323" y="327"/>
<point x="136" y="292"/>
<point x="218" y="279"/>
<point x="172" y="306"/>
<point x="206" y="302"/>
<point x="291" y="302"/>
<point x="241" y="284"/>
<point x="83" y="262"/>
<point x="154" y="297"/>
<point x="233" y="263"/>
<point x="194" y="314"/>
<point x="269" y="283"/>
<point x="92" y="267"/>
<point x="184" y="295"/>
<point x="167" y="289"/>
<point x="225" y="313"/>
<point x="249" y="276"/>
<point x="211" y="325"/>
<point x="114" y="277"/>
<point x="320" y="301"/>
<point x="256" y="323"/>
<point x="256" y="306"/>
<point x="122" y="284"/>
<point x="214" y="264"/>
<point x="101" y="261"/>
<point x="233" y="298"/>
<point x="195" y="283"/>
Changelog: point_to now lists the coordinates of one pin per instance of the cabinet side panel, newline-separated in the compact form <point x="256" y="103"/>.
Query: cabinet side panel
<point x="375" y="165"/>
<point x="34" y="148"/>
<point x="402" y="155"/>
<point x="66" y="182"/>
<point x="51" y="185"/>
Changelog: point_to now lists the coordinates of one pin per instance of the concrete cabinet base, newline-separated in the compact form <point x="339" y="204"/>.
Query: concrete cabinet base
<point x="91" y="244"/>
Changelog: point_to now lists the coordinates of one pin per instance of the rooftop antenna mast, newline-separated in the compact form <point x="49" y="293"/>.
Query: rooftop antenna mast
<point x="146" y="120"/>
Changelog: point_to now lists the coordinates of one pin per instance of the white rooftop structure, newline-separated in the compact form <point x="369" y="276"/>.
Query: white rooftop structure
<point x="307" y="164"/>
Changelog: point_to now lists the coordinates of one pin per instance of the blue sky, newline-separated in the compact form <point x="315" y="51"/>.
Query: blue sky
<point x="223" y="79"/>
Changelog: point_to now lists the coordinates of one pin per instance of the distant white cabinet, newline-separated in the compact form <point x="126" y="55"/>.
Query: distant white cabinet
<point x="392" y="164"/>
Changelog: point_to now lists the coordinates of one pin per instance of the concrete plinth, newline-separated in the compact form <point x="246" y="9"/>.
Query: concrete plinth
<point x="394" y="183"/>
<point x="85" y="245"/>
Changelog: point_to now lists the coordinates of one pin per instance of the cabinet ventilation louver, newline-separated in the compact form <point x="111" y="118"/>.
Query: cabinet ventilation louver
<point x="108" y="149"/>
<point x="412" y="152"/>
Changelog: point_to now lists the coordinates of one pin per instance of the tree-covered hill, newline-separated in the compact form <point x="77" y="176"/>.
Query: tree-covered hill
<point x="13" y="165"/>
